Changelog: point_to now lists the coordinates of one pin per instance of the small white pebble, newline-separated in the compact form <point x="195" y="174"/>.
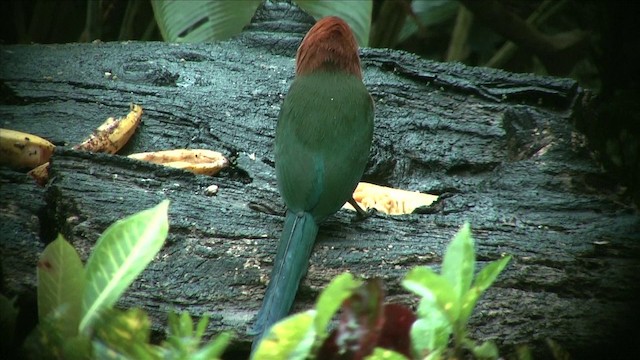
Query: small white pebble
<point x="211" y="190"/>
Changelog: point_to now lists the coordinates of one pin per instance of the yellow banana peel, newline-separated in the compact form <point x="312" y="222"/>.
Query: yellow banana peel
<point x="113" y="134"/>
<point x="21" y="150"/>
<point x="389" y="200"/>
<point x="199" y="161"/>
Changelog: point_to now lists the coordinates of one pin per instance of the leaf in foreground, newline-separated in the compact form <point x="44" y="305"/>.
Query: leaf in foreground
<point x="459" y="262"/>
<point x="331" y="298"/>
<point x="483" y="280"/>
<point x="61" y="282"/>
<point x="291" y="338"/>
<point x="120" y="255"/>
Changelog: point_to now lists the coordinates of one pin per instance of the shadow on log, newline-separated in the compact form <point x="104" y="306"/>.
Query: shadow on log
<point x="500" y="145"/>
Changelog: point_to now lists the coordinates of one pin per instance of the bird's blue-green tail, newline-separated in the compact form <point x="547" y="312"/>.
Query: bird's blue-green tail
<point x="290" y="265"/>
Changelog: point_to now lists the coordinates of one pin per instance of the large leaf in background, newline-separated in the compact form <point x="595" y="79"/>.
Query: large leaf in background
<point x="356" y="13"/>
<point x="120" y="254"/>
<point x="61" y="284"/>
<point x="428" y="13"/>
<point x="200" y="21"/>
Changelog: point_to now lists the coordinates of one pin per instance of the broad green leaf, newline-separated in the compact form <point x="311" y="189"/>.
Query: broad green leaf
<point x="432" y="330"/>
<point x="291" y="338"/>
<point x="202" y="21"/>
<point x="61" y="283"/>
<point x="459" y="261"/>
<point x="385" y="354"/>
<point x="77" y="348"/>
<point x="436" y="355"/>
<point x="120" y="255"/>
<point x="427" y="284"/>
<point x="428" y="13"/>
<point x="331" y="298"/>
<point x="484" y="279"/>
<point x="355" y="13"/>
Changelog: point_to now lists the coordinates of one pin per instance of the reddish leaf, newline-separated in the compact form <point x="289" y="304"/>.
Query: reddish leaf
<point x="360" y="324"/>
<point x="396" y="332"/>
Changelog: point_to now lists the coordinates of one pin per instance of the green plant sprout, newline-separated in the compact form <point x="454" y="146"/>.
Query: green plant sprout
<point x="75" y="303"/>
<point x="447" y="301"/>
<point x="449" y="298"/>
<point x="77" y="319"/>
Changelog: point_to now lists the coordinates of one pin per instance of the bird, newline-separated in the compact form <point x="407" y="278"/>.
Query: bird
<point x="323" y="138"/>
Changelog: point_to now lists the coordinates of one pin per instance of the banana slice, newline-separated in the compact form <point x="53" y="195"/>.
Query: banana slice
<point x="40" y="174"/>
<point x="23" y="151"/>
<point x="113" y="134"/>
<point x="389" y="200"/>
<point x="199" y="161"/>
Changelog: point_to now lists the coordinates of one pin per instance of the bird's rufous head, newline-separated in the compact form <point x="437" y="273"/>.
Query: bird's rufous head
<point x="329" y="44"/>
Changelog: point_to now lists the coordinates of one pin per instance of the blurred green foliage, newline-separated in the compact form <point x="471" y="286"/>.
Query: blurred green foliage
<point x="435" y="29"/>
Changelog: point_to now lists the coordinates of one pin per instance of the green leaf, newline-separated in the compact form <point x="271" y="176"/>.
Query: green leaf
<point x="431" y="331"/>
<point x="103" y="352"/>
<point x="291" y="338"/>
<point x="76" y="348"/>
<point x="356" y="14"/>
<point x="489" y="273"/>
<point x="202" y="21"/>
<point x="201" y="327"/>
<point x="486" y="350"/>
<point x="428" y="13"/>
<point x="427" y="284"/>
<point x="186" y="325"/>
<point x="214" y="349"/>
<point x="183" y="341"/>
<point x="331" y="298"/>
<point x="46" y="340"/>
<point x="124" y="331"/>
<point x="385" y="354"/>
<point x="484" y="279"/>
<point x="459" y="261"/>
<point x="61" y="282"/>
<point x="436" y="355"/>
<point x="120" y="255"/>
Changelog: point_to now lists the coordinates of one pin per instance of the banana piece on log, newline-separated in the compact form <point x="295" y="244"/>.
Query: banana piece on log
<point x="199" y="161"/>
<point x="21" y="150"/>
<point x="389" y="200"/>
<point x="113" y="134"/>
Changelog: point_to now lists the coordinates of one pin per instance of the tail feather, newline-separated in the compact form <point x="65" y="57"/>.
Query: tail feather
<point x="290" y="265"/>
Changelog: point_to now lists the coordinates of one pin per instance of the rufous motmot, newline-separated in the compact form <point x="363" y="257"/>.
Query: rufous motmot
<point x="322" y="143"/>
